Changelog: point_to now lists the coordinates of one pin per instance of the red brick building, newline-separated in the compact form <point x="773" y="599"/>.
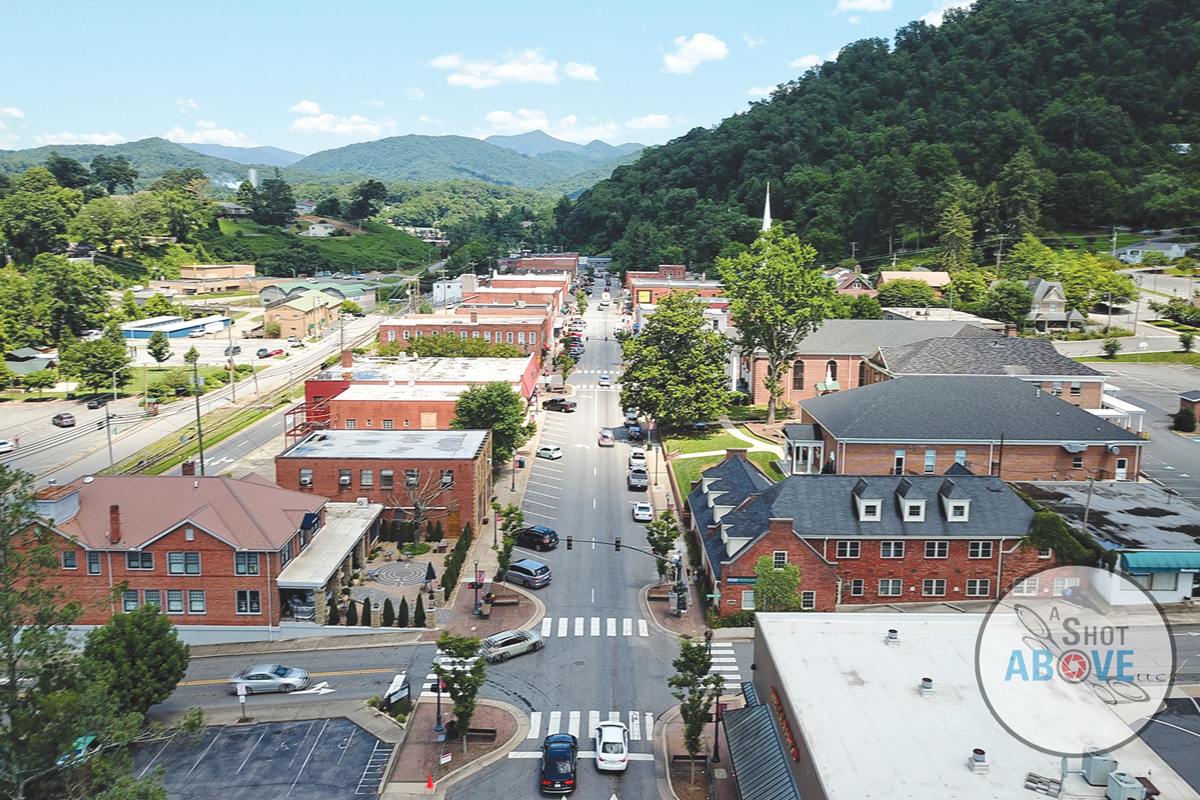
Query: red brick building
<point x="531" y="329"/>
<point x="447" y="474"/>
<point x="648" y="291"/>
<point x="674" y="271"/>
<point x="861" y="540"/>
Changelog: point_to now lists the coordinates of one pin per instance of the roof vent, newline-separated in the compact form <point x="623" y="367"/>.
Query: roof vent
<point x="978" y="761"/>
<point x="893" y="637"/>
<point x="88" y="479"/>
<point x="926" y="688"/>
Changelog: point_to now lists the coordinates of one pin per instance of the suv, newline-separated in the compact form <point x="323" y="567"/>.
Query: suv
<point x="631" y="417"/>
<point x="559" y="404"/>
<point x="506" y="644"/>
<point x="639" y="479"/>
<point x="263" y="352"/>
<point x="63" y="420"/>
<point x="637" y="458"/>
<point x="539" y="537"/>
<point x="529" y="573"/>
<point x="233" y="351"/>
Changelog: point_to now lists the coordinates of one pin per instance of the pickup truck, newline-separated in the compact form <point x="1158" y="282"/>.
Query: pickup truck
<point x="639" y="479"/>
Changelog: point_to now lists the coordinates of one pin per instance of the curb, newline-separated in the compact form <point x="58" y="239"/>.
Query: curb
<point x="452" y="777"/>
<point x="662" y="767"/>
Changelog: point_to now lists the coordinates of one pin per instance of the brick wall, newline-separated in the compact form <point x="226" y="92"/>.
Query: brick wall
<point x="420" y="414"/>
<point x="533" y="333"/>
<point x="815" y="368"/>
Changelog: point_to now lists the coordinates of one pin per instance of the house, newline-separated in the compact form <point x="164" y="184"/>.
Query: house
<point x="305" y="314"/>
<point x="833" y="357"/>
<point x="318" y="230"/>
<point x="25" y="360"/>
<point x="1049" y="311"/>
<point x="225" y="559"/>
<point x="445" y="473"/>
<point x="937" y="279"/>
<point x="1172" y="251"/>
<point x="999" y="426"/>
<point x="533" y="332"/>
<point x="935" y="314"/>
<point x="849" y="282"/>
<point x="861" y="539"/>
<point x="233" y="211"/>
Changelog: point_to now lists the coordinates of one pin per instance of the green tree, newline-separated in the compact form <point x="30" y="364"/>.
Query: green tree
<point x="566" y="365"/>
<point x="114" y="173"/>
<point x="69" y="297"/>
<point x="329" y="207"/>
<point x="389" y="614"/>
<point x="661" y="535"/>
<point x="352" y="614"/>
<point x="464" y="680"/>
<point x="496" y="407"/>
<point x="192" y="355"/>
<point x="175" y="379"/>
<point x="366" y="613"/>
<point x="865" y="307"/>
<point x="351" y="307"/>
<point x="130" y="310"/>
<point x="675" y="366"/>
<point x="144" y="656"/>
<point x="246" y="194"/>
<point x="334" y="617"/>
<point x="1187" y="340"/>
<point x="1020" y="189"/>
<point x="1184" y="420"/>
<point x="777" y="296"/>
<point x="105" y="221"/>
<point x="96" y="364"/>
<point x="368" y="196"/>
<point x="157" y="305"/>
<point x="35" y="216"/>
<point x="1007" y="301"/>
<point x="159" y="346"/>
<point x="402" y="617"/>
<point x="274" y="203"/>
<point x="775" y="588"/>
<point x="512" y="521"/>
<point x="906" y="293"/>
<point x="1111" y="347"/>
<point x="69" y="173"/>
<point x="968" y="287"/>
<point x="419" y="613"/>
<point x="955" y="240"/>
<point x="696" y="690"/>
<point x="41" y="380"/>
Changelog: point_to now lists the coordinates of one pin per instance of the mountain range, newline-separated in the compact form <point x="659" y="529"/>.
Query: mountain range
<point x="272" y="156"/>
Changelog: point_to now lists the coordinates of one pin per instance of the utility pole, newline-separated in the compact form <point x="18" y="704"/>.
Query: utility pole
<point x="854" y="251"/>
<point x="999" y="251"/>
<point x="112" y="467"/>
<point x="1114" y="242"/>
<point x="196" y="390"/>
<point x="232" y="377"/>
<point x="1087" y="507"/>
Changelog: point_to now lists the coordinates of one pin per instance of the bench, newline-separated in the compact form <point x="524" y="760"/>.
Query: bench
<point x="685" y="761"/>
<point x="507" y="600"/>
<point x="482" y="734"/>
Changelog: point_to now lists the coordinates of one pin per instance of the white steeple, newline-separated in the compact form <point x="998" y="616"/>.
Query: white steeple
<point x="767" y="210"/>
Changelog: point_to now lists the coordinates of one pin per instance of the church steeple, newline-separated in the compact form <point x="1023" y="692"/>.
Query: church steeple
<point x="767" y="210"/>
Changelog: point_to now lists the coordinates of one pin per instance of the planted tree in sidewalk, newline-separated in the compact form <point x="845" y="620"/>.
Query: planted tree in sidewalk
<point x="43" y="379"/>
<point x="696" y="690"/>
<point x="335" y="616"/>
<point x="661" y="534"/>
<point x="402" y="616"/>
<point x="462" y="685"/>
<point x="512" y="520"/>
<point x="352" y="614"/>
<point x="366" y="613"/>
<point x="566" y="364"/>
<point x="419" y="613"/>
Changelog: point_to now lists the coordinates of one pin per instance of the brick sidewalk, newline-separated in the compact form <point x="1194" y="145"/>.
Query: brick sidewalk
<point x="421" y="753"/>
<point x="716" y="779"/>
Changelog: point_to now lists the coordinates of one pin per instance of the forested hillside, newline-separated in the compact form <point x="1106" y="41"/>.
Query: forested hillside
<point x="1033" y="116"/>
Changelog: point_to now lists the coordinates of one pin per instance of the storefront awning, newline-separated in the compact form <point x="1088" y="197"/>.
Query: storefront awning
<point x="1146" y="562"/>
<point x="346" y="524"/>
<point x="760" y="763"/>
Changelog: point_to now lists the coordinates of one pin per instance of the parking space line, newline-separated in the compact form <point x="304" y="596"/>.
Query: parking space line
<point x="542" y="494"/>
<point x="536" y="514"/>
<point x="543" y="505"/>
<point x="202" y="755"/>
<point x="346" y="745"/>
<point x="252" y="749"/>
<point x="308" y="758"/>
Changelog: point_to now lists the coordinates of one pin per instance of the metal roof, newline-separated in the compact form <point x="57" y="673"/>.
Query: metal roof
<point x="399" y="445"/>
<point x="345" y="525"/>
<point x="1160" y="561"/>
<point x="760" y="764"/>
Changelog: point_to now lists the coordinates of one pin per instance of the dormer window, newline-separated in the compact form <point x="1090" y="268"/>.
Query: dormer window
<point x="959" y="511"/>
<point x="869" y="512"/>
<point x="914" y="510"/>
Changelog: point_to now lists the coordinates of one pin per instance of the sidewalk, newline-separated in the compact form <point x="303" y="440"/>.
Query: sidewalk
<point x="712" y="780"/>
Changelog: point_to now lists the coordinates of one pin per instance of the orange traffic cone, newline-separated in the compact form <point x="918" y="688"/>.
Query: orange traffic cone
<point x="429" y="782"/>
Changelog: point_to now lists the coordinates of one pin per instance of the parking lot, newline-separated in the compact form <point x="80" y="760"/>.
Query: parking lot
<point x="323" y="759"/>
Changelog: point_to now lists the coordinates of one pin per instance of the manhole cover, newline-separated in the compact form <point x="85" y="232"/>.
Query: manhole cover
<point x="579" y="663"/>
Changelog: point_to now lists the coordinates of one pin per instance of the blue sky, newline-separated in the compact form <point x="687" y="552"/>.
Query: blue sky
<point x="308" y="76"/>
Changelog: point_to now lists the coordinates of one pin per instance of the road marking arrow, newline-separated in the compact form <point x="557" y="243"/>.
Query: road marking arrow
<point x="320" y="688"/>
<point x="584" y="446"/>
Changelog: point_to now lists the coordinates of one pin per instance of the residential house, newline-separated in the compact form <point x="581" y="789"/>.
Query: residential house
<point x="937" y="279"/>
<point x="318" y="230"/>
<point x="305" y="314"/>
<point x="849" y="282"/>
<point x="447" y="474"/>
<point x="1172" y="251"/>
<point x="233" y="211"/>
<point x="999" y="426"/>
<point x="861" y="539"/>
<point x="1050" y="312"/>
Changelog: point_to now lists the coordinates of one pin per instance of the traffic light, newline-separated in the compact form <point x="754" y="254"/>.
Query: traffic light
<point x="617" y="544"/>
<point x="570" y="542"/>
<point x="100" y="423"/>
<point x="472" y="585"/>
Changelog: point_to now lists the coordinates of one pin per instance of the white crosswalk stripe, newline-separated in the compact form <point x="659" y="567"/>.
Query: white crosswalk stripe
<point x="595" y="626"/>
<point x="535" y="724"/>
<point x="640" y="723"/>
<point x="724" y="663"/>
<point x="643" y="629"/>
<point x="611" y="626"/>
<point x="573" y="724"/>
<point x="555" y="722"/>
<point x="579" y="626"/>
<point x="627" y="627"/>
<point x="546" y="623"/>
<point x="593" y="720"/>
<point x="562" y="627"/>
<point x="635" y="728"/>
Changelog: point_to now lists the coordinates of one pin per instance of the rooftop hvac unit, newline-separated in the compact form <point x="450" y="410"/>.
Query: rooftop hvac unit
<point x="1123" y="786"/>
<point x="1097" y="766"/>
<point x="518" y="303"/>
<point x="361" y="502"/>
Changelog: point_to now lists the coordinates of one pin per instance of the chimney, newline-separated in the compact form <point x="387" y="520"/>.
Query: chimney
<point x="189" y="468"/>
<point x="474" y="316"/>
<point x="470" y="283"/>
<point x="779" y="526"/>
<point x="347" y="359"/>
<point x="114" y="523"/>
<point x="1010" y="330"/>
<point x="730" y="452"/>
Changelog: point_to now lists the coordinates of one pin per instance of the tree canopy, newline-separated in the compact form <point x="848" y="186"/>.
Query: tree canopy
<point x="496" y="407"/>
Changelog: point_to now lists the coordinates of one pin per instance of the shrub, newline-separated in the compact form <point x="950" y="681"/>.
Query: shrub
<point x="366" y="615"/>
<point x="738" y="619"/>
<point x="1184" y="420"/>
<point x="402" y="618"/>
<point x="389" y="613"/>
<point x="374" y="702"/>
<point x="1111" y="347"/>
<point x="419" y="614"/>
<point x="1187" y="341"/>
<point x="335" y="616"/>
<point x="739" y="399"/>
<point x="352" y="614"/>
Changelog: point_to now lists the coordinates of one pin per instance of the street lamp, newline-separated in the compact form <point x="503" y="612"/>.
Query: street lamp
<point x="716" y="756"/>
<point x="439" y="727"/>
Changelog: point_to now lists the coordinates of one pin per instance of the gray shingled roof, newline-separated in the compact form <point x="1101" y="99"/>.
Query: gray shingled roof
<point x="1003" y="355"/>
<point x="864" y="336"/>
<point x="738" y="479"/>
<point x="958" y="409"/>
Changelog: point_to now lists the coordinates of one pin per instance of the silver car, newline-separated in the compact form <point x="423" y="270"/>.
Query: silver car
<point x="268" y="678"/>
<point x="506" y="644"/>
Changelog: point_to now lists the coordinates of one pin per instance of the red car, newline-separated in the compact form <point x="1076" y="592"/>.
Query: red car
<point x="277" y="352"/>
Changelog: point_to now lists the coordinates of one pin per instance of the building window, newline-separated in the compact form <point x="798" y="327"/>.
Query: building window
<point x="979" y="550"/>
<point x="487" y="337"/>
<point x="343" y="477"/>
<point x="937" y="549"/>
<point x="196" y="604"/>
<point x="1025" y="587"/>
<point x="898" y="463"/>
<point x="1062" y="584"/>
<point x="1077" y="462"/>
<point x="129" y="600"/>
<point x="406" y="423"/>
<point x="447" y="477"/>
<point x="303" y="539"/>
<point x="248" y="602"/>
<point x="69" y="560"/>
<point x="144" y="561"/>
<point x="808" y="601"/>
<point x="245" y="563"/>
<point x="391" y="336"/>
<point x="368" y="423"/>
<point x="385" y="478"/>
<point x="1157" y="581"/>
<point x="848" y="549"/>
<point x="520" y="337"/>
<point x="958" y="512"/>
<point x="510" y="337"/>
<point x="1045" y="552"/>
<point x="183" y="563"/>
<point x="856" y="587"/>
<point x="366" y="477"/>
<point x="306" y="477"/>
<point x="831" y="370"/>
<point x="1056" y="388"/>
<point x="960" y="457"/>
<point x="747" y="599"/>
<point x="979" y="588"/>
<point x="797" y="375"/>
<point x="189" y="534"/>
<point x="411" y="477"/>
<point x="351" y="424"/>
<point x="891" y="587"/>
<point x="406" y="336"/>
<point x="930" y="461"/>
<point x="862" y="373"/>
<point x="174" y="601"/>
<point x="933" y="587"/>
<point x="389" y="425"/>
<point x="152" y="597"/>
<point x="779" y="559"/>
<point x="533" y="338"/>
<point x="462" y="335"/>
<point x="891" y="549"/>
<point x="285" y="555"/>
<point x="93" y="560"/>
<point x="914" y="512"/>
<point x="1076" y="388"/>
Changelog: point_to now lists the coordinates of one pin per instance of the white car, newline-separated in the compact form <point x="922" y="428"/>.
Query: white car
<point x="607" y="439"/>
<point x="612" y="745"/>
<point x="552" y="452"/>
<point x="6" y="446"/>
<point x="643" y="512"/>
<point x="605" y="382"/>
<point x="637" y="458"/>
<point x="196" y="334"/>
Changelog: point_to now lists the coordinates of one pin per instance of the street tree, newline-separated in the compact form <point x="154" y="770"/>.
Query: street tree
<point x="35" y="216"/>
<point x="581" y="300"/>
<point x="41" y="380"/>
<point x="1007" y="301"/>
<point x="424" y="499"/>
<point x="775" y="588"/>
<point x="675" y="366"/>
<point x="191" y="356"/>
<point x="144" y="656"/>
<point x="1111" y="346"/>
<point x="114" y="173"/>
<point x="96" y="364"/>
<point x="696" y="690"/>
<point x="661" y="535"/>
<point x="906" y="293"/>
<point x="777" y="296"/>
<point x="463" y="677"/>
<point x="496" y="407"/>
<point x="566" y="365"/>
<point x="955" y="240"/>
<point x="159" y="346"/>
<point x="389" y="614"/>
<point x="512" y="520"/>
<point x="419" y="612"/>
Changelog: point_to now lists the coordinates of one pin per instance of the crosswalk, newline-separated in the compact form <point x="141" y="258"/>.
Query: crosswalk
<point x="429" y="685"/>
<point x="640" y="723"/>
<point x="594" y="626"/>
<point x="724" y="663"/>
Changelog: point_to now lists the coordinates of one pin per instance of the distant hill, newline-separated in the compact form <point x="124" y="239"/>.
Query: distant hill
<point x="576" y="184"/>
<point x="150" y="157"/>
<point x="272" y="156"/>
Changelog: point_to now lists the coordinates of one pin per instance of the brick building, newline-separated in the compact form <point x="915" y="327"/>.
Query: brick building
<point x="304" y="315"/>
<point x="861" y="539"/>
<point x="214" y="553"/>
<point x="664" y="272"/>
<point x="531" y="329"/>
<point x="648" y="291"/>
<point x="991" y="425"/>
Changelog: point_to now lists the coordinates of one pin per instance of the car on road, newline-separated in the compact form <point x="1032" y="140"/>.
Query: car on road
<point x="538" y="537"/>
<point x="529" y="573"/>
<point x="612" y="745"/>
<point x="233" y="351"/>
<point x="7" y="446"/>
<point x="550" y="451"/>
<point x="639" y="479"/>
<point x="197" y="334"/>
<point x="634" y="433"/>
<point x="263" y="353"/>
<point x="96" y="402"/>
<point x="606" y="438"/>
<point x="637" y="457"/>
<point x="605" y="381"/>
<point x="631" y="416"/>
<point x="63" y="420"/>
<point x="276" y="352"/>
<point x="559" y="404"/>
<point x="506" y="644"/>
<point x="81" y="750"/>
<point x="643" y="512"/>
<point x="268" y="678"/>
<point x="559" y="754"/>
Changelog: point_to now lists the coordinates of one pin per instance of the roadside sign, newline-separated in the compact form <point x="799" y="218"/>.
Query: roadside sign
<point x="241" y="690"/>
<point x="480" y="576"/>
<point x="445" y="758"/>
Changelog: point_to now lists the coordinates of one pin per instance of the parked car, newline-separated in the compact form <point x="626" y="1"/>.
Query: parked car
<point x="529" y="573"/>
<point x="311" y="280"/>
<point x="559" y="753"/>
<point x="538" y="537"/>
<point x="506" y="644"/>
<point x="607" y="439"/>
<point x="81" y="750"/>
<point x="559" y="404"/>
<point x="638" y="479"/>
<point x="612" y="745"/>
<point x="635" y="433"/>
<point x="63" y="420"/>
<point x="605" y="381"/>
<point x="268" y="678"/>
<point x="643" y="512"/>
<point x="96" y="402"/>
<point x="550" y="451"/>
<point x="197" y="334"/>
<point x="263" y="352"/>
<point x="637" y="457"/>
<point x="631" y="416"/>
<point x="7" y="446"/>
<point x="234" y="350"/>
<point x="276" y="352"/>
<point x="294" y="342"/>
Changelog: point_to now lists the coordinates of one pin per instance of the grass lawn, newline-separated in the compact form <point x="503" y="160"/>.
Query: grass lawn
<point x="1162" y="358"/>
<point x="689" y="469"/>
<point x="713" y="439"/>
<point x="766" y="462"/>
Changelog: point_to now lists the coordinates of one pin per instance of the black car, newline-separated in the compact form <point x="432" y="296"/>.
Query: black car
<point x="233" y="351"/>
<point x="559" y="404"/>
<point x="559" y="754"/>
<point x="96" y="402"/>
<point x="538" y="537"/>
<point x="263" y="352"/>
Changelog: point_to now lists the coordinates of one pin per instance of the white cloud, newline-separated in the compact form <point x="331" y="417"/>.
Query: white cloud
<point x="752" y="42"/>
<point x="354" y="125"/>
<point x="863" y="5"/>
<point x="940" y="8"/>
<point x="7" y="138"/>
<point x="209" y="133"/>
<point x="306" y="107"/>
<point x="526" y="67"/>
<point x="375" y="103"/>
<point x="701" y="47"/>
<point x="424" y="118"/>
<point x="854" y="20"/>
<point x="760" y="91"/>
<point x="184" y="105"/>
<point x="568" y="128"/>
<point x="649" y="121"/>
<point x="415" y="94"/>
<point x="80" y="138"/>
<point x="581" y="72"/>
<point x="809" y="61"/>
<point x="12" y="113"/>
